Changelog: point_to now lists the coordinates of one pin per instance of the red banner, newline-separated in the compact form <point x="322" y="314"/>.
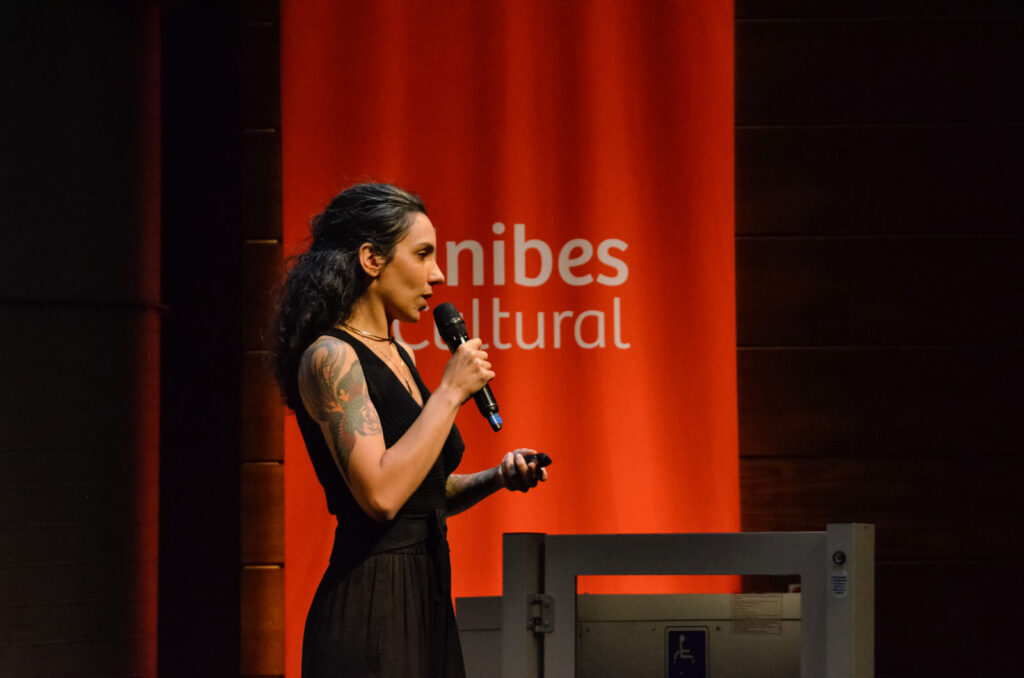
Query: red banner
<point x="576" y="158"/>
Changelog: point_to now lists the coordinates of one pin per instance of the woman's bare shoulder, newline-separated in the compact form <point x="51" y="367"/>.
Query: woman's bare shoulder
<point x="326" y="348"/>
<point x="328" y="364"/>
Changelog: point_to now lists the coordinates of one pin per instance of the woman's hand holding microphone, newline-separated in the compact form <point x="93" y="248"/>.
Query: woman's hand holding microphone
<point x="468" y="370"/>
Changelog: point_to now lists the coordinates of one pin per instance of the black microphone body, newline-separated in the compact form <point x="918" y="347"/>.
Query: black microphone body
<point x="452" y="329"/>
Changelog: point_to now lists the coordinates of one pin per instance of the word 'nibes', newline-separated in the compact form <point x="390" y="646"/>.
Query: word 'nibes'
<point x="572" y="257"/>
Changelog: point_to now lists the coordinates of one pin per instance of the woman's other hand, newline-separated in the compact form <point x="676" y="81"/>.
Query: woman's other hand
<point x="519" y="475"/>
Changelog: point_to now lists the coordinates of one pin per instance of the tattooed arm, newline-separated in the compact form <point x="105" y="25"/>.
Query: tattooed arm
<point x="334" y="392"/>
<point x="513" y="473"/>
<point x="462" y="491"/>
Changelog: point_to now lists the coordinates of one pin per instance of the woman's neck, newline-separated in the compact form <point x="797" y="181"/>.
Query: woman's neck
<point x="369" y="320"/>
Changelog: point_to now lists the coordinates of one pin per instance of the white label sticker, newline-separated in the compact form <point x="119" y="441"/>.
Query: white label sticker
<point x="758" y="613"/>
<point x="839" y="584"/>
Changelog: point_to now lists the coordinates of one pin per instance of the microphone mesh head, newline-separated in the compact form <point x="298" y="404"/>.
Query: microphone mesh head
<point x="446" y="314"/>
<point x="450" y="325"/>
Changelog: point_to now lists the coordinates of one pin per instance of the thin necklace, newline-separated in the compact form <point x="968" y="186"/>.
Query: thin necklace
<point x="390" y="338"/>
<point x="398" y="372"/>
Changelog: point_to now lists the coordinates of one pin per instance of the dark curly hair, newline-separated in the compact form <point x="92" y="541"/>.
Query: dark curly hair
<point x="326" y="280"/>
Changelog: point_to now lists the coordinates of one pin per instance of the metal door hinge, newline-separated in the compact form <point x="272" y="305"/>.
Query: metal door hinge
<point x="540" y="613"/>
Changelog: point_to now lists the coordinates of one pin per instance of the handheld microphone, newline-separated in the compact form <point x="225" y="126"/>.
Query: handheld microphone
<point x="452" y="329"/>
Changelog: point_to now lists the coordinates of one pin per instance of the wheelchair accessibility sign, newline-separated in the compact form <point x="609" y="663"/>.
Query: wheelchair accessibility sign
<point x="687" y="650"/>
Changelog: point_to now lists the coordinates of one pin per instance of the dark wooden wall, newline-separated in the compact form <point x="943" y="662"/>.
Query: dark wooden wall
<point x="200" y="357"/>
<point x="262" y="425"/>
<point x="79" y="336"/>
<point x="222" y="536"/>
<point x="880" y="305"/>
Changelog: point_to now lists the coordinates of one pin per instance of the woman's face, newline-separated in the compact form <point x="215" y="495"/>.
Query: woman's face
<point x="406" y="282"/>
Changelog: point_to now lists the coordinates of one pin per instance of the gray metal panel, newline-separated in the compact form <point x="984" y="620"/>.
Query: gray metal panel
<point x="837" y="640"/>
<point x="676" y="607"/>
<point x="851" y="612"/>
<point x="478" y="613"/>
<point x="480" y="631"/>
<point x="568" y="556"/>
<point x="640" y="650"/>
<point x="627" y="635"/>
<point x="522" y="577"/>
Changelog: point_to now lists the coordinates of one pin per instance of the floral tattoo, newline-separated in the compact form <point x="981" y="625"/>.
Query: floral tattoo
<point x="340" y="399"/>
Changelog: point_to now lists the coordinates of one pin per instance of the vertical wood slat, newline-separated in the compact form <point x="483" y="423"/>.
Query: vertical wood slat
<point x="262" y="513"/>
<point x="199" y="557"/>
<point x="262" y="417"/>
<point x="261" y="184"/>
<point x="260" y="74"/>
<point x="261" y="613"/>
<point x="262" y="621"/>
<point x="262" y="264"/>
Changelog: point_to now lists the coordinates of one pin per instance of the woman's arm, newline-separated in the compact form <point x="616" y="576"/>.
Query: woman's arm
<point x="513" y="473"/>
<point x="334" y="392"/>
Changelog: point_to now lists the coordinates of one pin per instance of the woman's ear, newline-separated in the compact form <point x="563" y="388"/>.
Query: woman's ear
<point x="371" y="262"/>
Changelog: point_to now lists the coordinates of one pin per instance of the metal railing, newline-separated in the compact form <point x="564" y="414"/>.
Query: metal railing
<point x="836" y="569"/>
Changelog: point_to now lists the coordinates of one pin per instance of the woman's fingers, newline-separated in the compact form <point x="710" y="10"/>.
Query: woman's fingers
<point x="526" y="471"/>
<point x="518" y="473"/>
<point x="469" y="370"/>
<point x="477" y="357"/>
<point x="511" y="472"/>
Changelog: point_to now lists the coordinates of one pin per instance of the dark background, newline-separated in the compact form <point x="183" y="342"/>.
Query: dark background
<point x="880" y="305"/>
<point x="879" y="259"/>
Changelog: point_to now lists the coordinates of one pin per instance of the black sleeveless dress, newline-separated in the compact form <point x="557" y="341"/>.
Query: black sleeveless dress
<point x="384" y="606"/>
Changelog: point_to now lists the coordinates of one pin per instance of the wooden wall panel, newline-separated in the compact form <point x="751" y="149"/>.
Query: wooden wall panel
<point x="262" y="621"/>
<point x="947" y="619"/>
<point x="27" y="544"/>
<point x="261" y="184"/>
<point x="904" y="70"/>
<point x="203" y="282"/>
<point x="260" y="73"/>
<point x="262" y="512"/>
<point x="81" y="504"/>
<point x="876" y="401"/>
<point x="880" y="180"/>
<point x="105" y="657"/>
<point x="847" y="9"/>
<point x="66" y="622"/>
<point x="262" y="263"/>
<point x="871" y="291"/>
<point x="31" y="583"/>
<point x="923" y="508"/>
<point x="879" y="305"/>
<point x="262" y="417"/>
<point x="261" y="615"/>
<point x="79" y="338"/>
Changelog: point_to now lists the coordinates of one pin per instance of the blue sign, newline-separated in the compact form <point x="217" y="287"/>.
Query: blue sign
<point x="687" y="652"/>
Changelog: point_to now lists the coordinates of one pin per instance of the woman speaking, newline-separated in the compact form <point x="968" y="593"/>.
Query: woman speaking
<point x="383" y="446"/>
